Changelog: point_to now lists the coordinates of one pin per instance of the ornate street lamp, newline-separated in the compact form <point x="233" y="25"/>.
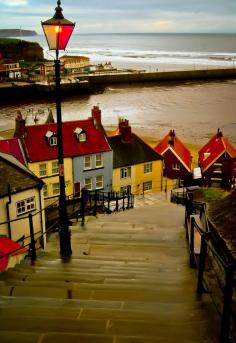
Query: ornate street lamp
<point x="57" y="31"/>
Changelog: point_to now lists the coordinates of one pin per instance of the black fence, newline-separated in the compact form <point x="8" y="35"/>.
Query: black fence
<point x="85" y="203"/>
<point x="215" y="265"/>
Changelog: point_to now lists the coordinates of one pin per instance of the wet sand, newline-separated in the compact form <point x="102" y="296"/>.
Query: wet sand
<point x="194" y="109"/>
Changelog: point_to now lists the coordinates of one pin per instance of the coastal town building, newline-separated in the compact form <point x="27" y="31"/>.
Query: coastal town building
<point x="87" y="154"/>
<point x="9" y="69"/>
<point x="217" y="159"/>
<point x="75" y="64"/>
<point x="20" y="195"/>
<point x="177" y="163"/>
<point x="137" y="168"/>
<point x="14" y="147"/>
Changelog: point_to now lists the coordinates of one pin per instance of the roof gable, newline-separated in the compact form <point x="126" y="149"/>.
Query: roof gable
<point x="39" y="150"/>
<point x="178" y="148"/>
<point x="213" y="149"/>
<point x="13" y="146"/>
<point x="133" y="152"/>
<point x="15" y="174"/>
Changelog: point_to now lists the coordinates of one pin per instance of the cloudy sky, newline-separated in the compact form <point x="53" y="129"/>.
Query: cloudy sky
<point x="125" y="15"/>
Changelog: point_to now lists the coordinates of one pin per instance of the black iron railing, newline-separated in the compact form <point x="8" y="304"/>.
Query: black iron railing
<point x="215" y="265"/>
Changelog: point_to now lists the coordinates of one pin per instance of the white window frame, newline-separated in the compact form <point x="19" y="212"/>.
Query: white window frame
<point x="53" y="141"/>
<point x="99" y="183"/>
<point x="42" y="169"/>
<point x="147" y="186"/>
<point x="125" y="172"/>
<point x="82" y="137"/>
<point x="56" y="188"/>
<point x="98" y="160"/>
<point x="87" y="162"/>
<point x="45" y="190"/>
<point x="88" y="182"/>
<point x="147" y="168"/>
<point x="26" y="205"/>
<point x="175" y="166"/>
<point x="55" y="168"/>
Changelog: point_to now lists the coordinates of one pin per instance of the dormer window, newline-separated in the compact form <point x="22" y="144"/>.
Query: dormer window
<point x="51" y="138"/>
<point x="80" y="134"/>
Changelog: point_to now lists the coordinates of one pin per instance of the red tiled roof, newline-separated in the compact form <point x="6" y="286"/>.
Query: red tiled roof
<point x="179" y="148"/>
<point x="215" y="147"/>
<point x="39" y="150"/>
<point x="13" y="146"/>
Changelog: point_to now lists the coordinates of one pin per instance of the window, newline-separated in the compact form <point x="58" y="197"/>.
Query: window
<point x="43" y="169"/>
<point x="98" y="160"/>
<point x="55" y="169"/>
<point x="99" y="182"/>
<point x="125" y="172"/>
<point x="80" y="134"/>
<point x="87" y="162"/>
<point x="82" y="137"/>
<point x="88" y="183"/>
<point x="147" y="167"/>
<point x="45" y="191"/>
<point x="26" y="205"/>
<point x="147" y="186"/>
<point x="176" y="166"/>
<point x="53" y="141"/>
<point x="55" y="188"/>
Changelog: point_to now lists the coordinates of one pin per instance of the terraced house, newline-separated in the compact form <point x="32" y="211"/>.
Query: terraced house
<point x="87" y="155"/>
<point x="217" y="159"/>
<point x="137" y="168"/>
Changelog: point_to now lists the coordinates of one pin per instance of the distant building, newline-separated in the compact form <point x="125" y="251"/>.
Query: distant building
<point x="87" y="154"/>
<point x="20" y="194"/>
<point x="75" y="64"/>
<point x="9" y="69"/>
<point x="137" y="168"/>
<point x="217" y="160"/>
<point x="177" y="159"/>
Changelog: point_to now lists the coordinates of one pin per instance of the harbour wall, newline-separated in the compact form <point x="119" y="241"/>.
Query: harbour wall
<point x="89" y="84"/>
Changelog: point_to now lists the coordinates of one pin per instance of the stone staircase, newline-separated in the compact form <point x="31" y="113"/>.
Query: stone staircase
<point x="128" y="281"/>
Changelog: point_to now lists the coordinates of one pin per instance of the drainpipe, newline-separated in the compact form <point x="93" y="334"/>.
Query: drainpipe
<point x="8" y="211"/>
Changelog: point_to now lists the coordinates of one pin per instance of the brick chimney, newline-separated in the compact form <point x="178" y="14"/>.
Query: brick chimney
<point x="125" y="130"/>
<point x="171" y="139"/>
<point x="96" y="115"/>
<point x="19" y="125"/>
<point x="219" y="133"/>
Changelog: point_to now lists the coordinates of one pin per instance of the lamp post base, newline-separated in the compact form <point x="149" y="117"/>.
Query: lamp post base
<point x="65" y="244"/>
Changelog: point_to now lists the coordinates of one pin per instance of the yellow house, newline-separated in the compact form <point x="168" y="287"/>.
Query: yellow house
<point x="20" y="195"/>
<point x="137" y="168"/>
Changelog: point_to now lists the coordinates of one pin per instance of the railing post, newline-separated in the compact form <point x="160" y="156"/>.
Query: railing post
<point x="32" y="249"/>
<point x="228" y="293"/>
<point x="108" y="202"/>
<point x="95" y="204"/>
<point x="123" y="200"/>
<point x="191" y="244"/>
<point x="82" y="206"/>
<point x="117" y="202"/>
<point x="203" y="253"/>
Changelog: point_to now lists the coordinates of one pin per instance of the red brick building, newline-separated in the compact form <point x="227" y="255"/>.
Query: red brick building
<point x="217" y="160"/>
<point x="177" y="159"/>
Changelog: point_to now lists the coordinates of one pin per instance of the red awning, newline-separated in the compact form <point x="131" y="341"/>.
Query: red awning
<point x="7" y="246"/>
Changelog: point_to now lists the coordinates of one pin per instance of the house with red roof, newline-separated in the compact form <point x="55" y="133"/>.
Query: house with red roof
<point x="137" y="167"/>
<point x="87" y="154"/>
<point x="20" y="195"/>
<point x="14" y="147"/>
<point x="177" y="159"/>
<point x="217" y="159"/>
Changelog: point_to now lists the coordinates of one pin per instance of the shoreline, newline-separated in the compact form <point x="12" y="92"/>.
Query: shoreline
<point x="92" y="84"/>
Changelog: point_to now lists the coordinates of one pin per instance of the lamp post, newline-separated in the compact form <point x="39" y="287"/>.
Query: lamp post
<point x="57" y="31"/>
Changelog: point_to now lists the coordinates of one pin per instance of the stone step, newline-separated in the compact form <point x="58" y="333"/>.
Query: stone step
<point x="114" y="327"/>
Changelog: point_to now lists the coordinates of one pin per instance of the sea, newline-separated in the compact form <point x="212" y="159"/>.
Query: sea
<point x="195" y="110"/>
